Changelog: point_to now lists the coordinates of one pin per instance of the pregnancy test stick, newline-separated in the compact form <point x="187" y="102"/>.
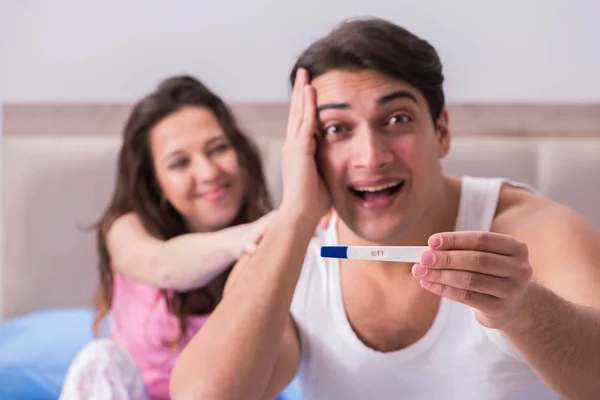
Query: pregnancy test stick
<point x="376" y="253"/>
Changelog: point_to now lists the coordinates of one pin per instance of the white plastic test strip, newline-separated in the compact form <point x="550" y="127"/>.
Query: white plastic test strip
<point x="375" y="253"/>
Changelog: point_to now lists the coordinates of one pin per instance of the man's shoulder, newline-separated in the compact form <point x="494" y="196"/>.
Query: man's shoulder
<point x="562" y="245"/>
<point x="523" y="213"/>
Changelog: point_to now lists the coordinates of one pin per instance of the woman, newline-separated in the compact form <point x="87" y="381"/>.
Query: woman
<point x="190" y="196"/>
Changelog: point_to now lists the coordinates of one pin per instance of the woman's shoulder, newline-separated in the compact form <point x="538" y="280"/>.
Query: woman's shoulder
<point x="129" y="221"/>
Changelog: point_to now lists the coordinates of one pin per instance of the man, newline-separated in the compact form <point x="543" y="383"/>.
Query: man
<point x="504" y="305"/>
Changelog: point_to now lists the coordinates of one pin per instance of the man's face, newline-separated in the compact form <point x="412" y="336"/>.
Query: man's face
<point x="378" y="151"/>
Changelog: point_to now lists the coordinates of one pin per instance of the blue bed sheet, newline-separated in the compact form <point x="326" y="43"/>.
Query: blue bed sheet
<point x="37" y="349"/>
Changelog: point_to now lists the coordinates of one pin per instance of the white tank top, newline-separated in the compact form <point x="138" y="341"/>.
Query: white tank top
<point x="456" y="359"/>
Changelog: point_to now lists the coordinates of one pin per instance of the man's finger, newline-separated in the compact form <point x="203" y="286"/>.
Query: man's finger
<point x="297" y="103"/>
<point x="309" y="114"/>
<point x="465" y="280"/>
<point x="468" y="260"/>
<point x="295" y="97"/>
<point x="482" y="241"/>
<point x="479" y="301"/>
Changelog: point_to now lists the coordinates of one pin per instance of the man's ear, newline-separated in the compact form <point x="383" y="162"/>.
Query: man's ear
<point x="443" y="134"/>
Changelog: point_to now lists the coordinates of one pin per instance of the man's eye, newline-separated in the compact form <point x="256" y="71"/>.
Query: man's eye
<point x="334" y="129"/>
<point x="400" y="119"/>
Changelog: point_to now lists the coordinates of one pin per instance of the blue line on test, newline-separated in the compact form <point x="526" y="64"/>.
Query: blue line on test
<point x="334" y="251"/>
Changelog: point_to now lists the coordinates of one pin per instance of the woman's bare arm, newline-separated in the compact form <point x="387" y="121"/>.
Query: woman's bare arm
<point x="183" y="263"/>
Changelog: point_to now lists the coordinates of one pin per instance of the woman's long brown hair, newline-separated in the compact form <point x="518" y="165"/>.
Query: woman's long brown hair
<point x="137" y="189"/>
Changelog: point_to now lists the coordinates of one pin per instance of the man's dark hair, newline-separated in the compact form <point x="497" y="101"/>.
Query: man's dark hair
<point x="379" y="45"/>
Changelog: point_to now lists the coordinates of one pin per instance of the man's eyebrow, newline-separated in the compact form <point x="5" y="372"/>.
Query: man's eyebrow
<point x="333" y="106"/>
<point x="400" y="94"/>
<point x="386" y="98"/>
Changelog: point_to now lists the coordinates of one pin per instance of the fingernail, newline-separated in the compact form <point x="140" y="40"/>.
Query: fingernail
<point x="427" y="259"/>
<point x="435" y="241"/>
<point x="419" y="270"/>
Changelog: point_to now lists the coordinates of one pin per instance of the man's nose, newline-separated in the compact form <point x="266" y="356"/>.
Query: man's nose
<point x="370" y="151"/>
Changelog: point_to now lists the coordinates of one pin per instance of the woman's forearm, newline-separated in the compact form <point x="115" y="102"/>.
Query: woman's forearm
<point x="191" y="261"/>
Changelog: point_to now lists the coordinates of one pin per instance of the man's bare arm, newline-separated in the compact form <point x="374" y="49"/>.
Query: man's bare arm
<point x="558" y="333"/>
<point x="250" y="338"/>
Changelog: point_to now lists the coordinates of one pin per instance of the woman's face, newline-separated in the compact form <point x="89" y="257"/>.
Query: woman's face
<point x="197" y="168"/>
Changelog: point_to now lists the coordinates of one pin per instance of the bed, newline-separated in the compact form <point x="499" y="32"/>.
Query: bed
<point x="58" y="173"/>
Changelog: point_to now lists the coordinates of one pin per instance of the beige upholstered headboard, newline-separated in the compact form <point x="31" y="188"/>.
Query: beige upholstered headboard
<point x="59" y="169"/>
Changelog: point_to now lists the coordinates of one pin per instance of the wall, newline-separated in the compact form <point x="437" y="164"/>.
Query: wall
<point x="116" y="50"/>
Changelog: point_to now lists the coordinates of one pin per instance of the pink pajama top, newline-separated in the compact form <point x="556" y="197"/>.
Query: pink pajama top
<point x="143" y="326"/>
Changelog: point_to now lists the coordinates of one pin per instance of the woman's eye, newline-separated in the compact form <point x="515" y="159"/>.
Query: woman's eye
<point x="219" y="148"/>
<point x="400" y="119"/>
<point x="179" y="164"/>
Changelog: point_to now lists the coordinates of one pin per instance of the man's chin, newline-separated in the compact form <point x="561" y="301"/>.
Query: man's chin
<point x="375" y="232"/>
<point x="381" y="237"/>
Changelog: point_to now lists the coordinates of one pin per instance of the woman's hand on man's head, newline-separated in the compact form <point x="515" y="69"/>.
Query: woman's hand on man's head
<point x="255" y="231"/>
